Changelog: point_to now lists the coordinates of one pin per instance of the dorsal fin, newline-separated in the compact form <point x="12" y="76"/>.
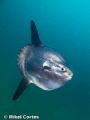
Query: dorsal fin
<point x="34" y="35"/>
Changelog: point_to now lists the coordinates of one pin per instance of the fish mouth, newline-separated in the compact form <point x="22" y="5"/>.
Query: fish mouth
<point x="69" y="77"/>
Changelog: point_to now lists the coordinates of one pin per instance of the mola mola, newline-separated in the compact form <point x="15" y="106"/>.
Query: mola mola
<point x="41" y="66"/>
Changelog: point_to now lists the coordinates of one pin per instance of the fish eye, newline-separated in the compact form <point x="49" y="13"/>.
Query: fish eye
<point x="46" y="67"/>
<point x="63" y="69"/>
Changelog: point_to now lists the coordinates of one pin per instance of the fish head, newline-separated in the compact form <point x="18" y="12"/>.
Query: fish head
<point x="57" y="71"/>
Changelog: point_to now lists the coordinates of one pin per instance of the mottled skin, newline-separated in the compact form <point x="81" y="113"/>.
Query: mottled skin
<point x="44" y="67"/>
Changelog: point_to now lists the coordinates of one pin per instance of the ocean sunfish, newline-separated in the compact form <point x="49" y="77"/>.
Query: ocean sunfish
<point x="41" y="66"/>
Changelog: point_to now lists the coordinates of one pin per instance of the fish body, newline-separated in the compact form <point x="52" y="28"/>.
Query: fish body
<point x="41" y="66"/>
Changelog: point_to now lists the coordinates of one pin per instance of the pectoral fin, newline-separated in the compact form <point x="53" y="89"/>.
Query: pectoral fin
<point x="22" y="86"/>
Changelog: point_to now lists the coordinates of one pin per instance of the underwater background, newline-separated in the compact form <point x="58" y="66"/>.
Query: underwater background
<point x="63" y="25"/>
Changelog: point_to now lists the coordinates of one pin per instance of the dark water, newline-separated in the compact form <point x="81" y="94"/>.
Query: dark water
<point x="63" y="25"/>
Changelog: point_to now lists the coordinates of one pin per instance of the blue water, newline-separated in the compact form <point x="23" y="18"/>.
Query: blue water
<point x="63" y="25"/>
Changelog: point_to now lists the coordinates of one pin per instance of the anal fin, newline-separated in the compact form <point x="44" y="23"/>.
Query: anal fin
<point x="22" y="86"/>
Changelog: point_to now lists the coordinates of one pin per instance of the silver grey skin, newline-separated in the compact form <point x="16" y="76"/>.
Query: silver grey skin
<point x="41" y="66"/>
